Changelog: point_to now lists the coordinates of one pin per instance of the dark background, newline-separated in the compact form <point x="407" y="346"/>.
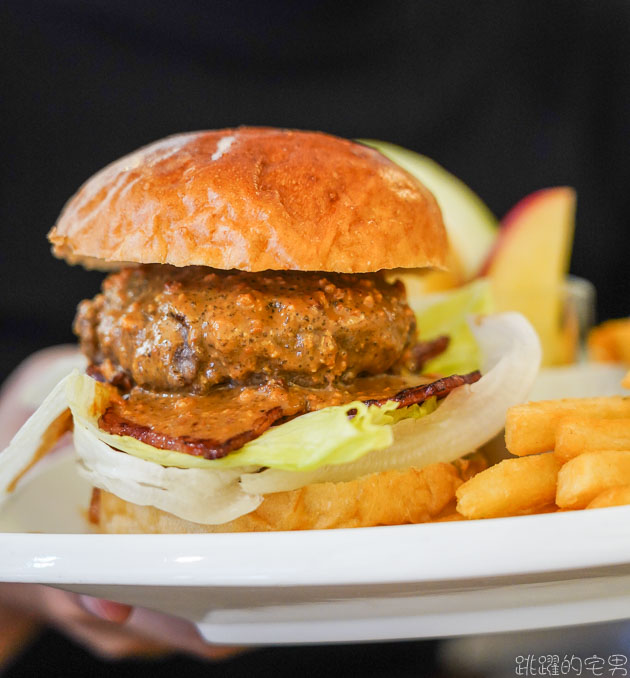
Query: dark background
<point x="510" y="96"/>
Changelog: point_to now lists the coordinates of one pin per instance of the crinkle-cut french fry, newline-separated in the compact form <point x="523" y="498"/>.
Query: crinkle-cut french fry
<point x="587" y="475"/>
<point x="613" y="496"/>
<point x="531" y="428"/>
<point x="625" y="382"/>
<point x="511" y="487"/>
<point x="610" y="341"/>
<point x="578" y="435"/>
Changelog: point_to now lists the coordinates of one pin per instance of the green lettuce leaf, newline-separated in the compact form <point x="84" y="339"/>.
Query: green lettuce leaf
<point x="316" y="439"/>
<point x="446" y="313"/>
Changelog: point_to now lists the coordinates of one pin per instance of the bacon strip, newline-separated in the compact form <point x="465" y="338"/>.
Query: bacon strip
<point x="418" y="394"/>
<point x="424" y="351"/>
<point x="207" y="448"/>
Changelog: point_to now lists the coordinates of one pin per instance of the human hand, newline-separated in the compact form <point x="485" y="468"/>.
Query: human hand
<point x="107" y="629"/>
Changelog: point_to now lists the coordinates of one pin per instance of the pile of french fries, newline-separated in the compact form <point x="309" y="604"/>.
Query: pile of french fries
<point x="569" y="454"/>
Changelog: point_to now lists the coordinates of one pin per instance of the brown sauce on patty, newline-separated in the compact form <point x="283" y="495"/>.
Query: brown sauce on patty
<point x="191" y="329"/>
<point x="203" y="361"/>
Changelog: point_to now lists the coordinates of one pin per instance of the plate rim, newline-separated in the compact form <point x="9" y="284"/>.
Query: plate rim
<point x="571" y="541"/>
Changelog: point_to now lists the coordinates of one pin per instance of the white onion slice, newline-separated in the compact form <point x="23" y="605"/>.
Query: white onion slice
<point x="468" y="417"/>
<point x="200" y="495"/>
<point x="26" y="443"/>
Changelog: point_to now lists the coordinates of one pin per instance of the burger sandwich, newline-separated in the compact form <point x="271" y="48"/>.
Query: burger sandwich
<point x="253" y="363"/>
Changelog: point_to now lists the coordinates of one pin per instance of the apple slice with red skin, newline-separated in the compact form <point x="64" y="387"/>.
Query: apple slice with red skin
<point x="528" y="264"/>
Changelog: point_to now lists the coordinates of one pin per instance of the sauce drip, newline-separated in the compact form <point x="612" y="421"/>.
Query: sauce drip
<point x="225" y="427"/>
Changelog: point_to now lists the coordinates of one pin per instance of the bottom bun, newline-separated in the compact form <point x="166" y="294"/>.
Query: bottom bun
<point x="386" y="498"/>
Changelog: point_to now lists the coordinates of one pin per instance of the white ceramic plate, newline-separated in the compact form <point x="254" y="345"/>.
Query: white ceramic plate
<point x="341" y="585"/>
<point x="325" y="586"/>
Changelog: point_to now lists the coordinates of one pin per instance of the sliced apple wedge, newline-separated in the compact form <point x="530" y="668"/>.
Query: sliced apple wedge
<point x="528" y="265"/>
<point x="471" y="226"/>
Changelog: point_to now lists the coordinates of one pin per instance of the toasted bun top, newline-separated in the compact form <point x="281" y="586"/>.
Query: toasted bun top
<point x="253" y="199"/>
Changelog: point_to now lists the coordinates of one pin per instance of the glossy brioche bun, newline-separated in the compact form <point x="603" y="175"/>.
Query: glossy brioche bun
<point x="253" y="199"/>
<point x="385" y="498"/>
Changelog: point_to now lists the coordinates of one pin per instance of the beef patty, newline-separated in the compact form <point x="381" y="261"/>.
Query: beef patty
<point x="189" y="329"/>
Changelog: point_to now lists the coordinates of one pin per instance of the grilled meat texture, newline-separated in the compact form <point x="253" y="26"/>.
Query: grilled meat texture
<point x="187" y="330"/>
